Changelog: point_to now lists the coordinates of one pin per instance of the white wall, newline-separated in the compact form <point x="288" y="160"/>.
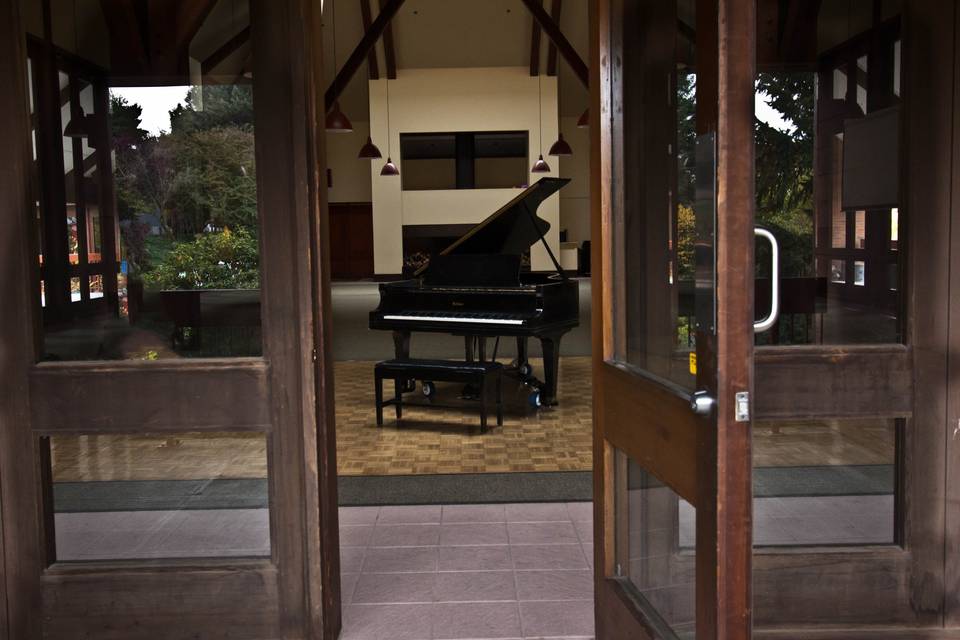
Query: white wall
<point x="351" y="175"/>
<point x="575" y="197"/>
<point x="448" y="100"/>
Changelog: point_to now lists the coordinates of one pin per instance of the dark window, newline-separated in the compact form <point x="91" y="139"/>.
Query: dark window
<point x="466" y="160"/>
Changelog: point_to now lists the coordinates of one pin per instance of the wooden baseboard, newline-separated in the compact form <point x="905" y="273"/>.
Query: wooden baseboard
<point x="870" y="633"/>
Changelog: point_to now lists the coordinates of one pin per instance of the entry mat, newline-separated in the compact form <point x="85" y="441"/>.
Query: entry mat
<point x="251" y="493"/>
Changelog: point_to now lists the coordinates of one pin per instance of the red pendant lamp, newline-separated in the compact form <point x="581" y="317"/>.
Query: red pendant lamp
<point x="584" y="120"/>
<point x="369" y="151"/>
<point x="389" y="169"/>
<point x="540" y="166"/>
<point x="560" y="148"/>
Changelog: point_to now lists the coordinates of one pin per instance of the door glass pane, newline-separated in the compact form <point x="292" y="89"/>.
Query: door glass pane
<point x="187" y="495"/>
<point x="161" y="187"/>
<point x="661" y="216"/>
<point x="827" y="177"/>
<point x="824" y="482"/>
<point x="658" y="550"/>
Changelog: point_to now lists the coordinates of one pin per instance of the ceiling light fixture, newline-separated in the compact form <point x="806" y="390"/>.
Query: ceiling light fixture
<point x="560" y="148"/>
<point x="389" y="169"/>
<point x="369" y="151"/>
<point x="337" y="121"/>
<point x="540" y="166"/>
<point x="584" y="120"/>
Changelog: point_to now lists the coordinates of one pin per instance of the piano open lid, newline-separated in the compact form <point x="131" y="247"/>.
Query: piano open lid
<point x="513" y="228"/>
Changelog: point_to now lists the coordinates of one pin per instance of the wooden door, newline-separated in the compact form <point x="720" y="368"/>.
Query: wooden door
<point x="673" y="317"/>
<point x="97" y="448"/>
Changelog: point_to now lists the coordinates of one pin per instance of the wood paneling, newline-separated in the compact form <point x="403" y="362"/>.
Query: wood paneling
<point x="834" y="382"/>
<point x="351" y="241"/>
<point x="237" y="602"/>
<point x="203" y="395"/>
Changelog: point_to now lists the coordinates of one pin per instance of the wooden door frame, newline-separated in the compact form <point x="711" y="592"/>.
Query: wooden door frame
<point x="912" y="589"/>
<point x="293" y="594"/>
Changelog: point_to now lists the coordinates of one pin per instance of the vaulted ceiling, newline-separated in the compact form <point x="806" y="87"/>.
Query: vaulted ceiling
<point x="455" y="34"/>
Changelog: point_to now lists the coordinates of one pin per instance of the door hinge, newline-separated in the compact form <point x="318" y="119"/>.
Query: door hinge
<point x="742" y="406"/>
<point x="314" y="356"/>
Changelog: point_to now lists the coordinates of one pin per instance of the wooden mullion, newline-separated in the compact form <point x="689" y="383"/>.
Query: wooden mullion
<point x="23" y="555"/>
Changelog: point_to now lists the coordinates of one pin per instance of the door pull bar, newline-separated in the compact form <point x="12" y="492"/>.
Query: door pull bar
<point x="764" y="325"/>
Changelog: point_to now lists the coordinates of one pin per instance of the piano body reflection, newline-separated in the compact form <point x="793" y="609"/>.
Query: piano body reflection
<point x="474" y="288"/>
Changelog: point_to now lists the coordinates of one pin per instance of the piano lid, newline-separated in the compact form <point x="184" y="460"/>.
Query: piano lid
<point x="513" y="228"/>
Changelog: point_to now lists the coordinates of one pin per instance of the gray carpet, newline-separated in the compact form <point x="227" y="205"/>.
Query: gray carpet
<point x="163" y="495"/>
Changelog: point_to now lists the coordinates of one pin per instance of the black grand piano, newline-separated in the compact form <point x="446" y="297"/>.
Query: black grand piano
<point x="474" y="288"/>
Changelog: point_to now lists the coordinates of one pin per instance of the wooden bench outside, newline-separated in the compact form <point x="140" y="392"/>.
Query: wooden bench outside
<point x="487" y="376"/>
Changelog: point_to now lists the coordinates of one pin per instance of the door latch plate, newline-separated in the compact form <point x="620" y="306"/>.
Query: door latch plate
<point x="742" y="406"/>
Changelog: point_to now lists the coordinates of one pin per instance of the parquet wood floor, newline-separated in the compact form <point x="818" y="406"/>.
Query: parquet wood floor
<point x="440" y="441"/>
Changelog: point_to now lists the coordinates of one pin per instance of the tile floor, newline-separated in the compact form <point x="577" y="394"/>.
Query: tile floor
<point x="467" y="571"/>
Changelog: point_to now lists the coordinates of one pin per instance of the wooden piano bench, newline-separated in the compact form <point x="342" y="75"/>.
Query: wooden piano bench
<point x="486" y="376"/>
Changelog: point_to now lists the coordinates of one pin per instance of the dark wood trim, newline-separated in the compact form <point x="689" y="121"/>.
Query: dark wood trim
<point x="951" y="577"/>
<point x="373" y="68"/>
<point x="388" y="9"/>
<point x="23" y="552"/>
<point x="203" y="395"/>
<point x="123" y="603"/>
<point x="870" y="633"/>
<point x="669" y="454"/>
<point x="389" y="51"/>
<point x="804" y="382"/>
<point x="555" y="10"/>
<point x="226" y="50"/>
<point x="535" y="46"/>
<point x="556" y="37"/>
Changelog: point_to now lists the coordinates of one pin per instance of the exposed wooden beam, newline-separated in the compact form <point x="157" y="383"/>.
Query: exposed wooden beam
<point x="230" y="47"/>
<point x="372" y="65"/>
<point x="389" y="53"/>
<point x="555" y="10"/>
<point x="535" y="46"/>
<point x="388" y="9"/>
<point x="798" y="38"/>
<point x="563" y="45"/>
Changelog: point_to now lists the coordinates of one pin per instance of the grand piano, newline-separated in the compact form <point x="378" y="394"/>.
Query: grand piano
<point x="475" y="288"/>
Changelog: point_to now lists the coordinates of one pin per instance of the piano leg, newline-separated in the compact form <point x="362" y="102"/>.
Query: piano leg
<point x="401" y="350"/>
<point x="523" y="363"/>
<point x="551" y="368"/>
<point x="468" y="351"/>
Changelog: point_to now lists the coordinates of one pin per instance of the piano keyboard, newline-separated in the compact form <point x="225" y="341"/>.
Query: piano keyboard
<point x="465" y="318"/>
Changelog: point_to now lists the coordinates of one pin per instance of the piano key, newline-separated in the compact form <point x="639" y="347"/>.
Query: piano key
<point x="471" y="319"/>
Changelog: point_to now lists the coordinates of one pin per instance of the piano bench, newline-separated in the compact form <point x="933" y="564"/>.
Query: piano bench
<point x="487" y="376"/>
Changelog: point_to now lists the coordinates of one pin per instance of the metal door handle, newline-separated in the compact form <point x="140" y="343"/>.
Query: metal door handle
<point x="764" y="325"/>
<point x="702" y="403"/>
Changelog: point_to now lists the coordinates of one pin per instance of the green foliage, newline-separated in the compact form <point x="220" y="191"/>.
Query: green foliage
<point x="214" y="107"/>
<point x="223" y="260"/>
<point x="686" y="231"/>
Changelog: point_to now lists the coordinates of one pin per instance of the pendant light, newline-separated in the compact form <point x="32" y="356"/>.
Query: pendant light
<point x="560" y="148"/>
<point x="584" y="120"/>
<point x="540" y="166"/>
<point x="77" y="127"/>
<point x="337" y="121"/>
<point x="389" y="169"/>
<point x="369" y="151"/>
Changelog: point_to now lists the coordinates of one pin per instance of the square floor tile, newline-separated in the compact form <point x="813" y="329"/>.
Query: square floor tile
<point x="473" y="534"/>
<point x="550" y="556"/>
<point x="393" y="588"/>
<point x="459" y="513"/>
<point x="410" y="514"/>
<point x="358" y="515"/>
<point x="476" y="620"/>
<point x="538" y="512"/>
<point x="582" y="511"/>
<point x="567" y="618"/>
<point x="555" y="585"/>
<point x="355" y="535"/>
<point x="475" y="586"/>
<point x="396" y="621"/>
<point x="542" y="533"/>
<point x="475" y="558"/>
<point x="405" y="535"/>
<point x="400" y="559"/>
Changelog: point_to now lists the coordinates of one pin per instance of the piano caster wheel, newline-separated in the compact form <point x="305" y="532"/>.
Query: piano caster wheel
<point x="534" y="399"/>
<point x="526" y="370"/>
<point x="428" y="389"/>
